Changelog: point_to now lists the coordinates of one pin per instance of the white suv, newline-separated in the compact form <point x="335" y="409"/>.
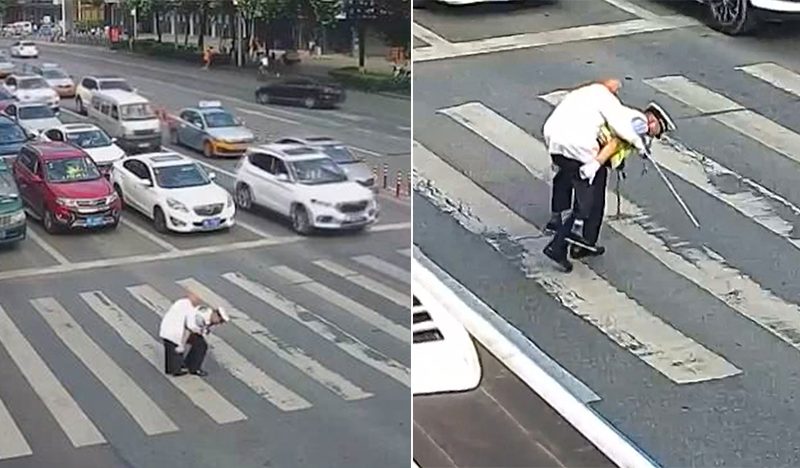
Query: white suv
<point x="304" y="184"/>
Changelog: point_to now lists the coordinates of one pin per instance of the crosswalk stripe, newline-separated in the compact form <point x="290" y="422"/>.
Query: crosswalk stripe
<point x="203" y="395"/>
<point x="733" y="116"/>
<point x="343" y="302"/>
<point x="12" y="442"/>
<point x="230" y="359"/>
<point x="775" y="75"/>
<point x="382" y="266"/>
<point x="340" y="338"/>
<point x="405" y="252"/>
<point x="73" y="421"/>
<point x="401" y="299"/>
<point x="621" y="318"/>
<point x="142" y="409"/>
<point x="291" y="354"/>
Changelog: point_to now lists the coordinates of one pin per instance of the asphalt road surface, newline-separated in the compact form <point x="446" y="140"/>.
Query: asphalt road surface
<point x="688" y="336"/>
<point x="312" y="371"/>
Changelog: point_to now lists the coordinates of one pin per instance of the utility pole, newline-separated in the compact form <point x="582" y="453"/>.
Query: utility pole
<point x="239" y="33"/>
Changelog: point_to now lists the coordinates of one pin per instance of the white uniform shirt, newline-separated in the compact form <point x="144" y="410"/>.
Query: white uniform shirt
<point x="181" y="320"/>
<point x="573" y="128"/>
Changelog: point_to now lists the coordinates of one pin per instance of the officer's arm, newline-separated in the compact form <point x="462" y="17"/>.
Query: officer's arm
<point x="608" y="150"/>
<point x="618" y="118"/>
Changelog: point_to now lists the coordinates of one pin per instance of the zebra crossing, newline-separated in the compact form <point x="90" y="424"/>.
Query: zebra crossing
<point x="667" y="349"/>
<point x="284" y="297"/>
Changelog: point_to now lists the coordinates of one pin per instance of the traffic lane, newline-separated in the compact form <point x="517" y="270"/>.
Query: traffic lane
<point x="25" y="254"/>
<point x="501" y="423"/>
<point x="383" y="114"/>
<point x="458" y="23"/>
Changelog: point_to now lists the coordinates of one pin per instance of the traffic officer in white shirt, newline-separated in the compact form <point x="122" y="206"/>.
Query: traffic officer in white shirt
<point x="187" y="322"/>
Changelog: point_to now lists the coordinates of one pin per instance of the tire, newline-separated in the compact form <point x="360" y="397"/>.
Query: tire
<point x="118" y="190"/>
<point x="244" y="197"/>
<point x="160" y="221"/>
<point x="300" y="222"/>
<point x="310" y="102"/>
<point x="263" y="98"/>
<point x="208" y="150"/>
<point x="79" y="103"/>
<point x="49" y="223"/>
<point x="732" y="17"/>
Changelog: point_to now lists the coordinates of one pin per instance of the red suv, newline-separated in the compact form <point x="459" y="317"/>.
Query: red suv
<point x="63" y="187"/>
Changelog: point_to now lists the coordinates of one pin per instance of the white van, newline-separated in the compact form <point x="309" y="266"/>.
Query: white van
<point x="129" y="118"/>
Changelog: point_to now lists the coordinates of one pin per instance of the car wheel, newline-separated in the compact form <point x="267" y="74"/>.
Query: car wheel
<point x="118" y="190"/>
<point x="310" y="102"/>
<point x="49" y="222"/>
<point x="263" y="98"/>
<point x="208" y="149"/>
<point x="732" y="17"/>
<point x="300" y="221"/>
<point x="160" y="221"/>
<point x="79" y="103"/>
<point x="244" y="197"/>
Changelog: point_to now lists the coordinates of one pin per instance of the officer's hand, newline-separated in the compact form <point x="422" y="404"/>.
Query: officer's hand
<point x="589" y="170"/>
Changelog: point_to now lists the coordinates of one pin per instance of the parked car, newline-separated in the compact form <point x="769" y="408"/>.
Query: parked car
<point x="34" y="117"/>
<point x="91" y="139"/>
<point x="355" y="168"/>
<point x="24" y="49"/>
<point x="735" y="17"/>
<point x="212" y="129"/>
<point x="305" y="185"/>
<point x="57" y="78"/>
<point x="6" y="65"/>
<point x="12" y="214"/>
<point x="305" y="91"/>
<point x="92" y="83"/>
<point x="128" y="117"/>
<point x="174" y="191"/>
<point x="6" y="98"/>
<point x="32" y="88"/>
<point x="12" y="137"/>
<point x="62" y="186"/>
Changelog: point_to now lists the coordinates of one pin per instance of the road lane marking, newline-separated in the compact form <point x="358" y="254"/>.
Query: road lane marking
<point x="69" y="416"/>
<point x="149" y="235"/>
<point x="254" y="230"/>
<point x="366" y="151"/>
<point x="405" y="252"/>
<point x="618" y="316"/>
<point x="141" y="408"/>
<point x="295" y="356"/>
<point x="12" y="442"/>
<point x="559" y="36"/>
<point x="430" y="37"/>
<point x="44" y="245"/>
<point x="322" y="327"/>
<point x="382" y="266"/>
<point x="775" y="75"/>
<point x="267" y="116"/>
<point x="343" y="302"/>
<point x="399" y="298"/>
<point x="744" y="121"/>
<point x="634" y="9"/>
<point x="347" y="116"/>
<point x="144" y="258"/>
<point x="203" y="395"/>
<point x="390" y="227"/>
<point x="403" y="128"/>
<point x="228" y="358"/>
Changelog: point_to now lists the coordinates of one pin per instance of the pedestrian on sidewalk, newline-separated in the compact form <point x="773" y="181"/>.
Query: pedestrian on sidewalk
<point x="208" y="56"/>
<point x="187" y="322"/>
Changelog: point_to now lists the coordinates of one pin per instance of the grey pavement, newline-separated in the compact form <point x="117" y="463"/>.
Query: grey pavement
<point x="722" y="288"/>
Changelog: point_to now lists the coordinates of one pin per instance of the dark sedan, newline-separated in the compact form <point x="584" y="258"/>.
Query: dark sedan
<point x="307" y="92"/>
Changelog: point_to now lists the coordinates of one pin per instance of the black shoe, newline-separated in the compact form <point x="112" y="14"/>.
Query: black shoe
<point x="577" y="240"/>
<point x="179" y="373"/>
<point x="199" y="373"/>
<point x="561" y="260"/>
<point x="554" y="224"/>
<point x="578" y="252"/>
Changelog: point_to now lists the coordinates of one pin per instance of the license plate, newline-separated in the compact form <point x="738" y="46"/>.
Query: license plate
<point x="144" y="145"/>
<point x="355" y="219"/>
<point x="94" y="221"/>
<point x="211" y="223"/>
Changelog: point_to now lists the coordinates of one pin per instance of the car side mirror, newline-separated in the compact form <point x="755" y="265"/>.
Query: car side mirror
<point x="212" y="175"/>
<point x="36" y="179"/>
<point x="282" y="177"/>
<point x="146" y="182"/>
<point x="31" y="136"/>
<point x="114" y="140"/>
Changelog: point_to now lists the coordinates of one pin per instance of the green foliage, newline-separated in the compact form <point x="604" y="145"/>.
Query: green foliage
<point x="351" y="77"/>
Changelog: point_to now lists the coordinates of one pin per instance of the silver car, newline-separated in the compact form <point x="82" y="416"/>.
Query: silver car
<point x="6" y="65"/>
<point x="355" y="168"/>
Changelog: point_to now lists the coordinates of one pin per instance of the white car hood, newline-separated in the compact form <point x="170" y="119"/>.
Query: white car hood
<point x="34" y="94"/>
<point x="40" y="124"/>
<point x="197" y="196"/>
<point x="105" y="154"/>
<point x="343" y="192"/>
<point x="60" y="82"/>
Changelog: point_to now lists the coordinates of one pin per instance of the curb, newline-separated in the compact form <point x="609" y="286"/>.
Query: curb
<point x="585" y="420"/>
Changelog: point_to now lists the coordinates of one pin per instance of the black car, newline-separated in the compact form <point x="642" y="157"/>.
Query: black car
<point x="303" y="91"/>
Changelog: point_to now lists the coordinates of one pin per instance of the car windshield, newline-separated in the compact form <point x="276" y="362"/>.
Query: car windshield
<point x="32" y="83"/>
<point x="115" y="84"/>
<point x="54" y="74"/>
<point x="11" y="134"/>
<point x="318" y="171"/>
<point x="340" y="154"/>
<point x="141" y="111"/>
<point x="220" y="119"/>
<point x="89" y="139"/>
<point x="63" y="171"/>
<point x="35" y="112"/>
<point x="181" y="176"/>
<point x="27" y="44"/>
<point x="3" y="165"/>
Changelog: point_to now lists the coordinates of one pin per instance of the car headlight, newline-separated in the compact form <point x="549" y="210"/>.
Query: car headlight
<point x="68" y="202"/>
<point x="230" y="201"/>
<point x="176" y="205"/>
<point x="321" y="203"/>
<point x="113" y="197"/>
<point x="17" y="217"/>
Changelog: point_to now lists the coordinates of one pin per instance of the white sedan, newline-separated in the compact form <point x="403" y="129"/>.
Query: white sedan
<point x="735" y="17"/>
<point x="90" y="138"/>
<point x="174" y="191"/>
<point x="24" y="49"/>
<point x="35" y="117"/>
<point x="31" y="88"/>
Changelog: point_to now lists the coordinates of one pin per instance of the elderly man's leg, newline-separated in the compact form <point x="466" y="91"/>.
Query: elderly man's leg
<point x="173" y="360"/>
<point x="197" y="353"/>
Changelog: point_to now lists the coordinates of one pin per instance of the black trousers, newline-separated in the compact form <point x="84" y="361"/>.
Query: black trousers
<point x="589" y="204"/>
<point x="174" y="361"/>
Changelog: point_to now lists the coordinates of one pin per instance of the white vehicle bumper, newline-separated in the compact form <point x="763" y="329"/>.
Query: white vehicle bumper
<point x="782" y="6"/>
<point x="181" y="221"/>
<point x="324" y="217"/>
